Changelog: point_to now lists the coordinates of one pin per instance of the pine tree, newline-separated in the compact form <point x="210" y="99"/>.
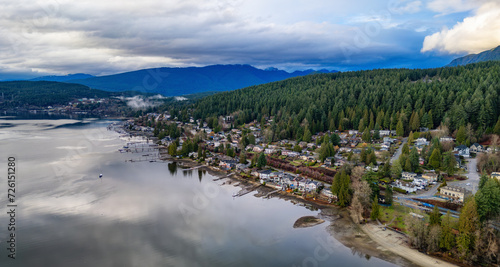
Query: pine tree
<point x="261" y="162"/>
<point x="307" y="135"/>
<point x="468" y="223"/>
<point x="496" y="130"/>
<point x="414" y="159"/>
<point x="488" y="200"/>
<point x="447" y="240"/>
<point x="366" y="135"/>
<point x="410" y="137"/>
<point x="375" y="210"/>
<point x="461" y="135"/>
<point x="435" y="159"/>
<point x="388" y="195"/>
<point x="400" y="131"/>
<point x="435" y="216"/>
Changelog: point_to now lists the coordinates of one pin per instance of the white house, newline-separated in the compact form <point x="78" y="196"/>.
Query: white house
<point x="408" y="187"/>
<point x="462" y="150"/>
<point x="408" y="176"/>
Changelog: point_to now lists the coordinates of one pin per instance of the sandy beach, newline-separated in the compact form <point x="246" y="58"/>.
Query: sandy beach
<point x="396" y="243"/>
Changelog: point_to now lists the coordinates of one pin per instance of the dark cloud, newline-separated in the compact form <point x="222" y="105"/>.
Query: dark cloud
<point x="104" y="37"/>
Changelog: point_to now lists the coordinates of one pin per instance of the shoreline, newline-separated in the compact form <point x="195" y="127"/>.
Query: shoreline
<point x="359" y="238"/>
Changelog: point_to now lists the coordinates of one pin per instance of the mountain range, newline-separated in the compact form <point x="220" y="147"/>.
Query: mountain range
<point x="492" y="54"/>
<point x="183" y="81"/>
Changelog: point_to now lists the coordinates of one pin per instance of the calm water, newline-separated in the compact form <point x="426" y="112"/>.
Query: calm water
<point x="141" y="213"/>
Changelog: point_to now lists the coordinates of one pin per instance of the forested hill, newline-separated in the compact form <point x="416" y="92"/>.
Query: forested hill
<point x="492" y="54"/>
<point x="192" y="80"/>
<point x="42" y="93"/>
<point x="456" y="96"/>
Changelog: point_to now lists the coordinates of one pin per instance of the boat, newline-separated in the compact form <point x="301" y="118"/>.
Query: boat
<point x="100" y="175"/>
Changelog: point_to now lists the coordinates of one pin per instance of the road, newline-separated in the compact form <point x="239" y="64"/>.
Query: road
<point x="473" y="182"/>
<point x="398" y="152"/>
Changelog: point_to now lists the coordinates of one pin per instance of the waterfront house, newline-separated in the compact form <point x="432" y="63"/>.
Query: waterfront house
<point x="227" y="164"/>
<point x="455" y="192"/>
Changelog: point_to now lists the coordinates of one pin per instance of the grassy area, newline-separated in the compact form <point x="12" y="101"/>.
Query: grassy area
<point x="396" y="210"/>
<point x="296" y="162"/>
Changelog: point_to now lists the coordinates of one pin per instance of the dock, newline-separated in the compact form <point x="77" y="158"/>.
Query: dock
<point x="270" y="193"/>
<point x="245" y="191"/>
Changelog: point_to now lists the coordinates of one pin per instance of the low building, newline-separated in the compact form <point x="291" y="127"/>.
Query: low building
<point x="455" y="192"/>
<point x="408" y="176"/>
<point x="495" y="175"/>
<point x="408" y="187"/>
<point x="430" y="177"/>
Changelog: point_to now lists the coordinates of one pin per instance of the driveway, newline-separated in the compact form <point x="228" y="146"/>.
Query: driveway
<point x="472" y="183"/>
<point x="398" y="152"/>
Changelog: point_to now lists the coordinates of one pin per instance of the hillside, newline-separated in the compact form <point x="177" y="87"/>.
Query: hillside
<point x="43" y="93"/>
<point x="183" y="81"/>
<point x="63" y="78"/>
<point x="356" y="100"/>
<point x="493" y="54"/>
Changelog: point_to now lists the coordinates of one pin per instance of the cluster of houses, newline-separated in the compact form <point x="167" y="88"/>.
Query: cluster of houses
<point x="287" y="181"/>
<point x="411" y="182"/>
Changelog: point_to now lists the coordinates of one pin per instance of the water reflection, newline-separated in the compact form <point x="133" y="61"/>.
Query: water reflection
<point x="172" y="168"/>
<point x="135" y="215"/>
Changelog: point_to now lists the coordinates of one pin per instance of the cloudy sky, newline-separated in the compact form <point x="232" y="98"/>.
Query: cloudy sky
<point x="102" y="37"/>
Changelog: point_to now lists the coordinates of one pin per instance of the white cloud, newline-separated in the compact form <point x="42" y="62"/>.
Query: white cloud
<point x="452" y="6"/>
<point x="474" y="34"/>
<point x="409" y="8"/>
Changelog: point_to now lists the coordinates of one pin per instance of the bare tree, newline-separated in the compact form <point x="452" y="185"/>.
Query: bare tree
<point x="433" y="238"/>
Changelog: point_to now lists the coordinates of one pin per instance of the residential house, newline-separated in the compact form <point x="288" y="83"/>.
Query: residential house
<point x="408" y="176"/>
<point x="265" y="174"/>
<point x="290" y="153"/>
<point x="268" y="151"/>
<point x="227" y="164"/>
<point x="384" y="132"/>
<point x="329" y="161"/>
<point x="389" y="140"/>
<point x="446" y="139"/>
<point x="407" y="186"/>
<point x="430" y="177"/>
<point x="311" y="186"/>
<point x="462" y="151"/>
<point x="421" y="142"/>
<point x="455" y="192"/>
<point x="420" y="182"/>
<point x="258" y="149"/>
<point x="495" y="175"/>
<point x="476" y="148"/>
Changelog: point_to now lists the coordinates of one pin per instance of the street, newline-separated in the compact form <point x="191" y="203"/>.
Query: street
<point x="398" y="152"/>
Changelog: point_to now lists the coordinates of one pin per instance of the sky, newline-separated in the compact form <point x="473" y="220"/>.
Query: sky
<point x="58" y="37"/>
